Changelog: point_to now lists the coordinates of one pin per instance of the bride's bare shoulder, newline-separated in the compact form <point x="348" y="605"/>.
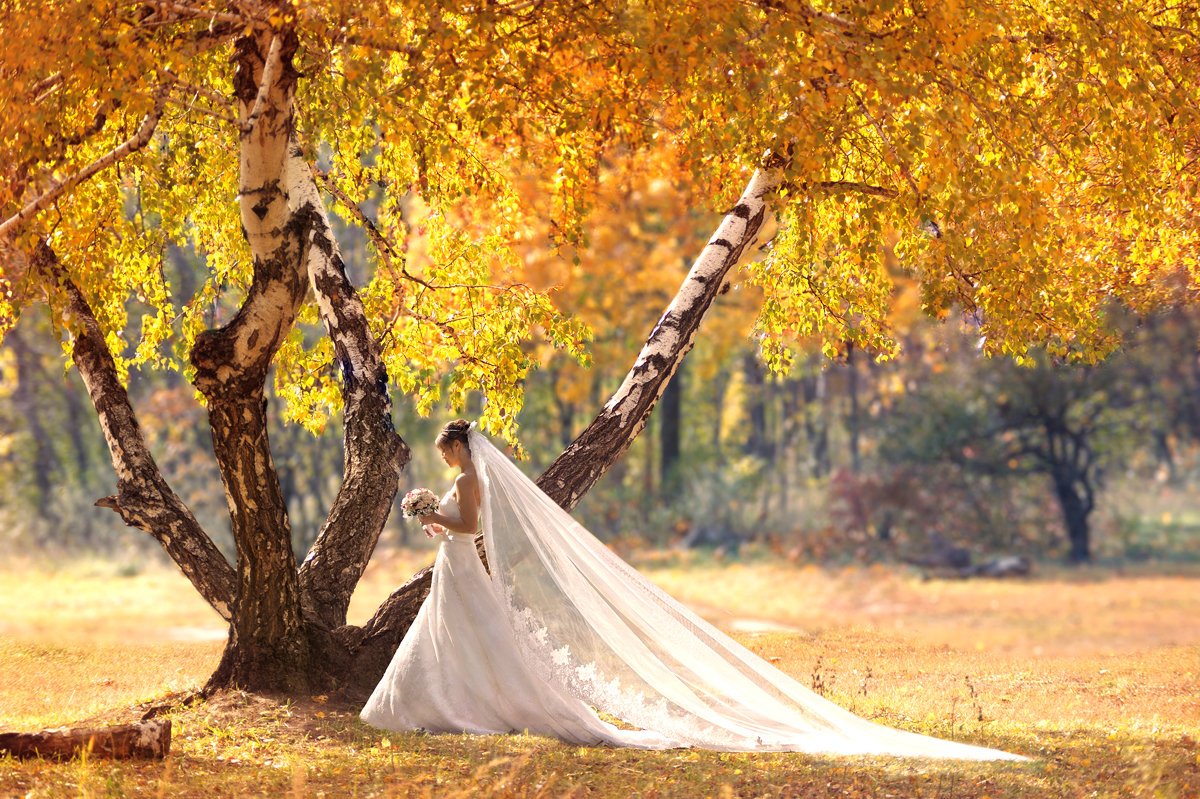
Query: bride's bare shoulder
<point x="467" y="482"/>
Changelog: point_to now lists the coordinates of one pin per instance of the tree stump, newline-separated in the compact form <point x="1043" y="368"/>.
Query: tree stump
<point x="147" y="739"/>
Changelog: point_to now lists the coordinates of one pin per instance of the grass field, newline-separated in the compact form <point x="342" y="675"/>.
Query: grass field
<point x="1095" y="673"/>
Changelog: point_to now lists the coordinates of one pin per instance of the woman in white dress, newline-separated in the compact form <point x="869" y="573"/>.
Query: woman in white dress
<point x="562" y="626"/>
<point x="458" y="668"/>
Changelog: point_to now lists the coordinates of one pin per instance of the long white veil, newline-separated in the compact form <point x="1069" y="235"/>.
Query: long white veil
<point x="586" y="619"/>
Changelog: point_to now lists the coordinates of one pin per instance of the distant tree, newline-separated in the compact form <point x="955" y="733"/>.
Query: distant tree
<point x="996" y="418"/>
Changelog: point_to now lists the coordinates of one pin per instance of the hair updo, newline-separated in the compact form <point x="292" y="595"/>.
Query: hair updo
<point x="454" y="431"/>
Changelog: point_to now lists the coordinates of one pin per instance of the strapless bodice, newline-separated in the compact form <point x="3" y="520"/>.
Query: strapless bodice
<point x="449" y="507"/>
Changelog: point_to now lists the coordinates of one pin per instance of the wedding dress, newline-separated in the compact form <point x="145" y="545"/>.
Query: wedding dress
<point x="563" y="626"/>
<point x="458" y="668"/>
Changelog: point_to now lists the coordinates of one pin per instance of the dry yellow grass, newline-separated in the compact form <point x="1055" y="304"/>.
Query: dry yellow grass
<point x="1094" y="673"/>
<point x="1067" y="645"/>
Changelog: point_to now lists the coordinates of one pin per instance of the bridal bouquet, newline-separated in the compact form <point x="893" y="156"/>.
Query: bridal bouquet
<point x="419" y="502"/>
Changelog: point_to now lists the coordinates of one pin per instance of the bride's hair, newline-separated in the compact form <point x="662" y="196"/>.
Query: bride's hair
<point x="454" y="431"/>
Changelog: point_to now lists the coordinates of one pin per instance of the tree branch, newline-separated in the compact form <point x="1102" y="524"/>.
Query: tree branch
<point x="850" y="186"/>
<point x="207" y="92"/>
<point x="901" y="164"/>
<point x="384" y="247"/>
<point x="610" y="434"/>
<point x="270" y="74"/>
<point x="139" y="140"/>
<point x="189" y="12"/>
<point x="359" y="40"/>
<point x="144" y="499"/>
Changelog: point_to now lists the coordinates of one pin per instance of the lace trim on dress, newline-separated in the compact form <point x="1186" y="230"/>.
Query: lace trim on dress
<point x="589" y="682"/>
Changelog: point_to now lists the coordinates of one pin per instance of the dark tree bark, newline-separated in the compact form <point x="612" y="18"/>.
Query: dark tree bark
<point x="1072" y="472"/>
<point x="1047" y="426"/>
<point x="1076" y="507"/>
<point x="1165" y="454"/>
<point x="566" y="421"/>
<point x="268" y="647"/>
<point x="854" y="417"/>
<point x="758" y="443"/>
<point x="373" y="645"/>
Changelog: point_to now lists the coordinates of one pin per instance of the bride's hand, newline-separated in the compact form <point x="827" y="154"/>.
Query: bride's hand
<point x="432" y="529"/>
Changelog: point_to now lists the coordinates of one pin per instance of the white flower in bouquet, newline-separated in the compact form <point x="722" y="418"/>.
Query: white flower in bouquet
<point x="419" y="502"/>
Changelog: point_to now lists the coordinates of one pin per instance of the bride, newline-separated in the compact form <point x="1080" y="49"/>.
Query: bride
<point x="563" y="626"/>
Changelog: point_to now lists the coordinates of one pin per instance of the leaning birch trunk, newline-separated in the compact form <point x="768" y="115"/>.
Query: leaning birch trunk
<point x="625" y="414"/>
<point x="268" y="647"/>
<point x="613" y="430"/>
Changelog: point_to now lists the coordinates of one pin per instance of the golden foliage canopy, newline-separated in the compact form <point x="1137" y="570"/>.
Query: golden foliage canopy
<point x="1032" y="163"/>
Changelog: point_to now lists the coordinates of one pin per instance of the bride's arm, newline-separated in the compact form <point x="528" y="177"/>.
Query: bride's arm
<point x="467" y="492"/>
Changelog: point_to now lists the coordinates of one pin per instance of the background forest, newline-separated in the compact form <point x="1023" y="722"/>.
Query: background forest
<point x="857" y="457"/>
